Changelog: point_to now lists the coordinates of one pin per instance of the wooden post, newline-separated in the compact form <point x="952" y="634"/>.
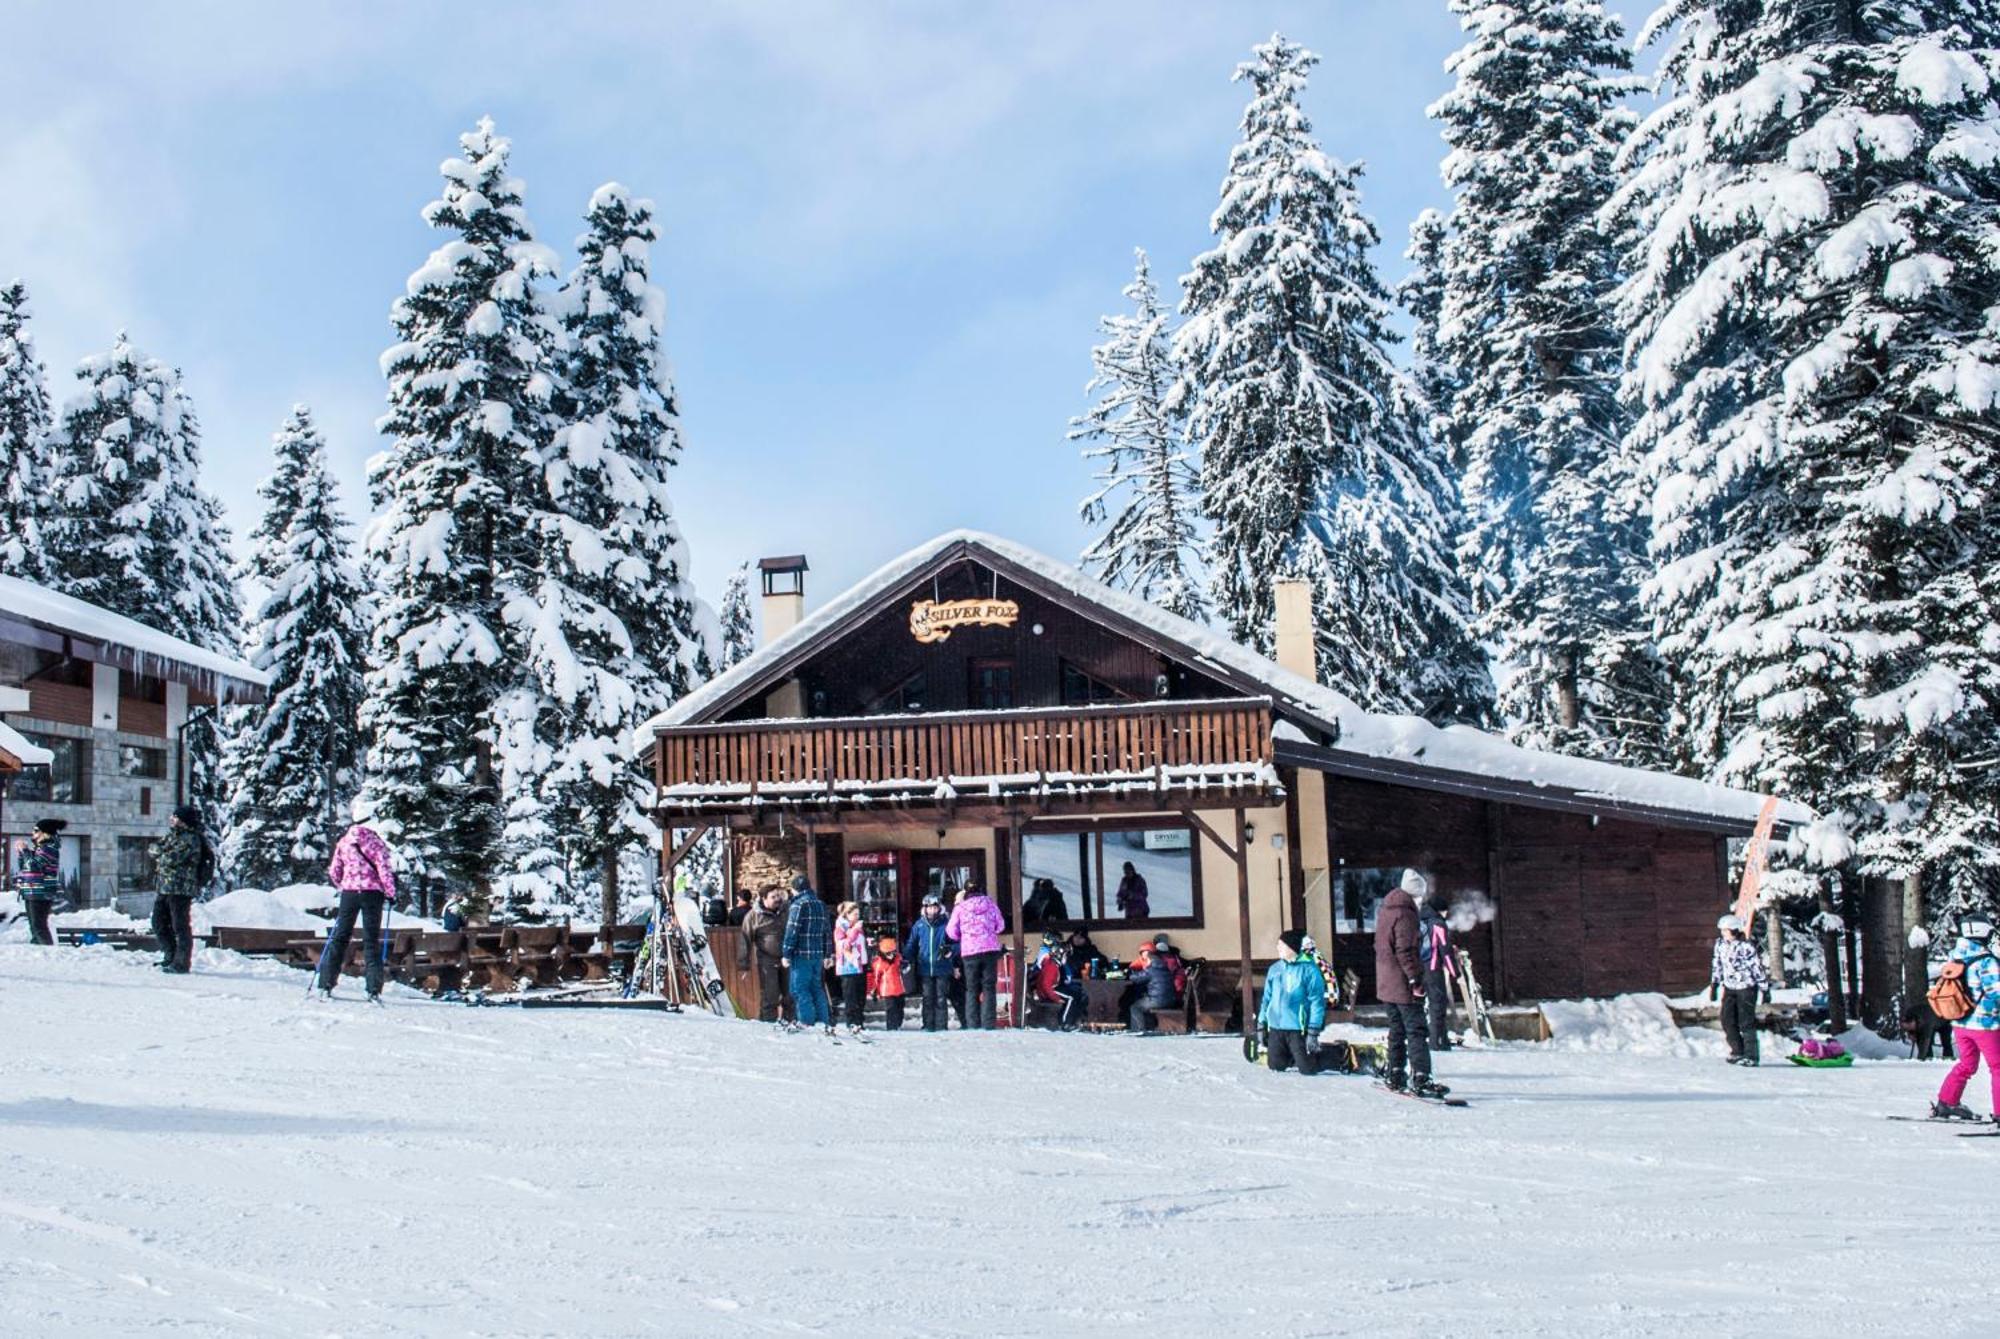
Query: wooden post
<point x="1243" y="922"/>
<point x="1295" y="852"/>
<point x="1019" y="1003"/>
<point x="1495" y="876"/>
<point x="608" y="910"/>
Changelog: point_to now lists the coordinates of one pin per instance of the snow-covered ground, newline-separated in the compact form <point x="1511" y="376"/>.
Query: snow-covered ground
<point x="210" y="1155"/>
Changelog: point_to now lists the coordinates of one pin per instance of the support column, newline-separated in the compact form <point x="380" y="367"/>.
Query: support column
<point x="1019" y="1004"/>
<point x="1243" y="923"/>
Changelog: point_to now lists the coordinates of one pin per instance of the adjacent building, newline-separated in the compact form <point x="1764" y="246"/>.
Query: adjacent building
<point x="979" y="712"/>
<point x="98" y="702"/>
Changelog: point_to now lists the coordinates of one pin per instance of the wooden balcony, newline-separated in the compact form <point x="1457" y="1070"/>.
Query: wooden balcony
<point x="1141" y="752"/>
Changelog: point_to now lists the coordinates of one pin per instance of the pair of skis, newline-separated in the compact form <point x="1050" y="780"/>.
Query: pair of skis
<point x="1988" y="1130"/>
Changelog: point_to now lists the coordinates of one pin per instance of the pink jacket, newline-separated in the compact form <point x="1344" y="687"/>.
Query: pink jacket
<point x="976" y="924"/>
<point x="361" y="864"/>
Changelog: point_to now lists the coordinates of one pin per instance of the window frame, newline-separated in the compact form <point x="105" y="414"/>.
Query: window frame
<point x="41" y="782"/>
<point x="1098" y="911"/>
<point x="974" y="696"/>
<point x="121" y="879"/>
<point x="125" y="752"/>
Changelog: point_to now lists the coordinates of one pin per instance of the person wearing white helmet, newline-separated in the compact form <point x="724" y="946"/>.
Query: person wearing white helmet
<point x="1975" y="1032"/>
<point x="1738" y="970"/>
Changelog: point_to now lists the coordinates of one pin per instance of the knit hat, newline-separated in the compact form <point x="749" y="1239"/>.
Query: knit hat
<point x="1295" y="940"/>
<point x="1161" y="944"/>
<point x="1416" y="885"/>
<point x="886" y="945"/>
<point x="933" y="900"/>
<point x="189" y="816"/>
<point x="51" y="825"/>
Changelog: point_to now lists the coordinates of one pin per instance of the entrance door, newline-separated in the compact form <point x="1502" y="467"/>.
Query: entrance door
<point x="946" y="873"/>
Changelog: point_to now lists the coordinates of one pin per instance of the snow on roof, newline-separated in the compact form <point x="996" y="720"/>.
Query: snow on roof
<point x="1406" y="739"/>
<point x="30" y="755"/>
<point x="39" y="604"/>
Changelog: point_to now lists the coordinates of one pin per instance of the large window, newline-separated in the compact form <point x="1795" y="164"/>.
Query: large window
<point x="991" y="686"/>
<point x="1079" y="689"/>
<point x="138" y="871"/>
<point x="1142" y="875"/>
<point x="1358" y="894"/>
<point x="64" y="781"/>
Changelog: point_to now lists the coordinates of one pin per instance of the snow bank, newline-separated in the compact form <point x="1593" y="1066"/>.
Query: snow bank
<point x="1627" y="1025"/>
<point x="298" y="906"/>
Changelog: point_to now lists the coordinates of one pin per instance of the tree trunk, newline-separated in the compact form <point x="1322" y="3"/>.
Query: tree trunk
<point x="608" y="911"/>
<point x="1916" y="976"/>
<point x="1774" y="944"/>
<point x="1568" y="709"/>
<point x="1829" y="947"/>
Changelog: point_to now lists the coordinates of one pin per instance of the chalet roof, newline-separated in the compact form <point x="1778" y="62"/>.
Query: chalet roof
<point x="1322" y="727"/>
<point x="128" y="642"/>
<point x="16" y="746"/>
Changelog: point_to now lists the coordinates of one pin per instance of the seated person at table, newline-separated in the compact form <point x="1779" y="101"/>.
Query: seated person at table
<point x="1159" y="979"/>
<point x="1057" y="983"/>
<point x="1045" y="906"/>
<point x="1085" y="958"/>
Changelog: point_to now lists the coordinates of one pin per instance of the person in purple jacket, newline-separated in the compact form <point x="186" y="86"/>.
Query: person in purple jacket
<point x="362" y="870"/>
<point x="975" y="926"/>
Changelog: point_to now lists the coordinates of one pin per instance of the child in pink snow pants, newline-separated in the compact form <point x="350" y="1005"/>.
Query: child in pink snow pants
<point x="1976" y="1037"/>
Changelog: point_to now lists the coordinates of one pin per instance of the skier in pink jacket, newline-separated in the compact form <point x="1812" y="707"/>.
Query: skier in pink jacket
<point x="975" y="925"/>
<point x="362" y="870"/>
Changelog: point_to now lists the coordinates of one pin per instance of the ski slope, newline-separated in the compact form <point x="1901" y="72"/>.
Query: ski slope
<point x="210" y="1155"/>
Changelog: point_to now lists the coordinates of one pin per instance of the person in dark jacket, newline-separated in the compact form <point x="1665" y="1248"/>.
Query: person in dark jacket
<point x="1294" y="1008"/>
<point x="1399" y="985"/>
<point x="1086" y="958"/>
<point x="808" y="951"/>
<point x="39" y="877"/>
<point x="1161" y="978"/>
<point x="760" y="952"/>
<point x="1134" y="898"/>
<point x="1434" y="951"/>
<point x="1045" y="908"/>
<point x="932" y="956"/>
<point x="181" y="864"/>
<point x="740" y="909"/>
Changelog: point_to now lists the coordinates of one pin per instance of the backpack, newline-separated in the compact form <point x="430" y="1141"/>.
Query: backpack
<point x="1949" y="996"/>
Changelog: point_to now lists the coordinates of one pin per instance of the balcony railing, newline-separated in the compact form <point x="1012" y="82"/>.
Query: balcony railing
<point x="1159" y="745"/>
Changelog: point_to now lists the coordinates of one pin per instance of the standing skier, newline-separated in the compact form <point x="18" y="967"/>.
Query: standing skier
<point x="1399" y="984"/>
<point x="40" y="881"/>
<point x="1440" y="965"/>
<point x="975" y="925"/>
<point x="850" y="963"/>
<point x="934" y="958"/>
<point x="363" y="872"/>
<point x="1294" y="1008"/>
<point x="1738" y="969"/>
<point x="1976" y="1034"/>
<point x="185" y="862"/>
<point x="808" y="952"/>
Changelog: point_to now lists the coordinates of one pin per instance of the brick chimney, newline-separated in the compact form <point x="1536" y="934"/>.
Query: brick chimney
<point x="784" y="608"/>
<point x="1295" y="627"/>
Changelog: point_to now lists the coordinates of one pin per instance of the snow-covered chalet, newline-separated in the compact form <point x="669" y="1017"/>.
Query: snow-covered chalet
<point x="976" y="711"/>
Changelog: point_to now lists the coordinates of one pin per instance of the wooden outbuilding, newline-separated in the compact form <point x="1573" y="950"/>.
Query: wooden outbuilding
<point x="978" y="711"/>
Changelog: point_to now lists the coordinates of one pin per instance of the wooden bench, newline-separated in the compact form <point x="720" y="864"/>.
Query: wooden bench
<point x="258" y="943"/>
<point x="533" y="957"/>
<point x="489" y="959"/>
<point x="435" y="961"/>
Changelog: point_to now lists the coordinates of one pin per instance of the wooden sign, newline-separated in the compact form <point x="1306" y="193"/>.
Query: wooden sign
<point x="934" y="620"/>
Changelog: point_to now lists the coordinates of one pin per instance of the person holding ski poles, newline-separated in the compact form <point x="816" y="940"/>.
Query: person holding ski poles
<point x="184" y="864"/>
<point x="930" y="953"/>
<point x="1975" y="1034"/>
<point x="1738" y="969"/>
<point x="1399" y="985"/>
<point x="1294" y="1008"/>
<point x="40" y="877"/>
<point x="808" y="952"/>
<point x="365" y="875"/>
<point x="1440" y="966"/>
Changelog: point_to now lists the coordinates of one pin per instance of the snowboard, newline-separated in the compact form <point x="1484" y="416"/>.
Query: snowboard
<point x="694" y="937"/>
<point x="1413" y="1097"/>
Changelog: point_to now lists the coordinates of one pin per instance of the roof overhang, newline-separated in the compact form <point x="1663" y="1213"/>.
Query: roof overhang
<point x="33" y="615"/>
<point x="16" y="752"/>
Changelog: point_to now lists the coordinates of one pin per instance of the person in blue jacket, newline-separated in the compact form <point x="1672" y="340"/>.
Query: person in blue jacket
<point x="933" y="956"/>
<point x="1294" y="1008"/>
<point x="808" y="952"/>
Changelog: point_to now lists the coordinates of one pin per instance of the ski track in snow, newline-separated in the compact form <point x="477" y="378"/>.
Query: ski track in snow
<point x="205" y="1155"/>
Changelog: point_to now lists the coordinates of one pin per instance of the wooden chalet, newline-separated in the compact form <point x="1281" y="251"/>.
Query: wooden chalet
<point x="976" y="711"/>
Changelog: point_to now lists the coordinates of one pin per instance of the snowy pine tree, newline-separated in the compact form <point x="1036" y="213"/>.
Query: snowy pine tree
<point x="25" y="449"/>
<point x="469" y="400"/>
<point x="1422" y="296"/>
<point x="1816" y="257"/>
<point x="612" y="630"/>
<point x="1312" y="465"/>
<point x="1148" y="545"/>
<point x="739" y="632"/>
<point x="293" y="764"/>
<point x="1524" y="273"/>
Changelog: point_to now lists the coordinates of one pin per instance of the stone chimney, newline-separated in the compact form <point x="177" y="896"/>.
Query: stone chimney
<point x="784" y="608"/>
<point x="1295" y="627"/>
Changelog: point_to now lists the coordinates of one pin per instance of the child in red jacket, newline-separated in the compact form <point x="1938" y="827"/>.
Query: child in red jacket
<point x="885" y="982"/>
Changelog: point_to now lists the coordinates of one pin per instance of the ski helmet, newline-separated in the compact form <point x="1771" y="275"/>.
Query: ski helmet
<point x="1730" y="924"/>
<point x="1976" y="928"/>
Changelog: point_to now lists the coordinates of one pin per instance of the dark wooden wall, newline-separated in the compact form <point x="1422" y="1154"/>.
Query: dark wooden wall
<point x="1583" y="909"/>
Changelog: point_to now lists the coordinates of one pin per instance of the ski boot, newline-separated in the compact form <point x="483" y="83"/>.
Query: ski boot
<point x="1952" y="1111"/>
<point x="322" y="995"/>
<point x="1395" y="1083"/>
<point x="1428" y="1087"/>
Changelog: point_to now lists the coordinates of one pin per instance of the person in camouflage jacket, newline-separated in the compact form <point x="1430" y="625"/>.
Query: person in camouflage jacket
<point x="181" y="866"/>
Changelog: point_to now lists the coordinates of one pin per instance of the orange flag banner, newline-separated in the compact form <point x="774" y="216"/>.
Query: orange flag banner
<point x="1754" y="860"/>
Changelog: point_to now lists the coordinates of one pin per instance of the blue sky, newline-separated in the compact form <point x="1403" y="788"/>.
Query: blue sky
<point x="889" y="229"/>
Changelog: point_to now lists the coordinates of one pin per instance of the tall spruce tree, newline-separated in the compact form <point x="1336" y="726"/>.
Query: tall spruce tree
<point x="739" y="632"/>
<point x="26" y="463"/>
<point x="294" y="764"/>
<point x="1816" y="254"/>
<point x="1145" y="498"/>
<point x="470" y="385"/>
<point x="1422" y="296"/>
<point x="1522" y="319"/>
<point x="1312" y="465"/>
<point x="611" y="630"/>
